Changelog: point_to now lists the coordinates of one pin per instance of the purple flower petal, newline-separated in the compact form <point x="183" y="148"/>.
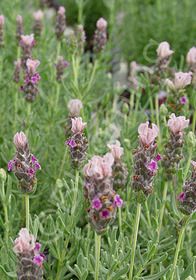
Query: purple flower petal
<point x="33" y="159"/>
<point x="10" y="164"/>
<point x="72" y="143"/>
<point x="31" y="172"/>
<point x="118" y="202"/>
<point x="153" y="166"/>
<point x="37" y="166"/>
<point x="97" y="204"/>
<point x="105" y="214"/>
<point x="158" y="157"/>
<point x="183" y="100"/>
<point x="37" y="246"/>
<point x="67" y="142"/>
<point x="182" y="196"/>
<point x="38" y="260"/>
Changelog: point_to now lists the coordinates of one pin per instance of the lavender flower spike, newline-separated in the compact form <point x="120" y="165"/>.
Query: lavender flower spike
<point x="100" y="37"/>
<point x="29" y="258"/>
<point x="172" y="153"/>
<point x="74" y="107"/>
<point x="60" y="23"/>
<point x="24" y="164"/>
<point x="145" y="162"/>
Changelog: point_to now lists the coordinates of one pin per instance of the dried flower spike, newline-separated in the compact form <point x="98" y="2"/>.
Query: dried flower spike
<point x="32" y="78"/>
<point x="24" y="164"/>
<point x="30" y="258"/>
<point x="100" y="37"/>
<point x="37" y="27"/>
<point x="19" y="27"/>
<point x="78" y="143"/>
<point x="119" y="169"/>
<point x="188" y="197"/>
<point x="172" y="153"/>
<point x="17" y="71"/>
<point x="60" y="23"/>
<point x="27" y="42"/>
<point x="102" y="200"/>
<point x="145" y="162"/>
<point x="60" y="68"/>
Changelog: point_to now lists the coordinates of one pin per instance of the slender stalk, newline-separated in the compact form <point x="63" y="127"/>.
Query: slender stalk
<point x="97" y="254"/>
<point x="193" y="122"/>
<point x="75" y="75"/>
<point x="157" y="117"/>
<point x="63" y="161"/>
<point x="92" y="76"/>
<point x="6" y="214"/>
<point x="57" y="95"/>
<point x="80" y="12"/>
<point x="188" y="162"/>
<point x="28" y="116"/>
<point x="160" y="219"/>
<point x="27" y="210"/>
<point x="148" y="216"/>
<point x="1" y="66"/>
<point x="180" y="238"/>
<point x="60" y="265"/>
<point x="151" y="108"/>
<point x="135" y="233"/>
<point x="15" y="106"/>
<point x="58" y="49"/>
<point x="18" y="52"/>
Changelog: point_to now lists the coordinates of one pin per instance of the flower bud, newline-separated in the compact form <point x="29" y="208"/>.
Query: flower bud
<point x="191" y="139"/>
<point x="59" y="183"/>
<point x="125" y="108"/>
<point x="163" y="110"/>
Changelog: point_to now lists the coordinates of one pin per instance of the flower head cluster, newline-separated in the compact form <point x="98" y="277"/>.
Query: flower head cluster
<point x="100" y="36"/>
<point x="30" y="258"/>
<point x="1" y="30"/>
<point x="181" y="81"/>
<point x="74" y="107"/>
<point x="60" y="23"/>
<point x="19" y="27"/>
<point x="37" y="27"/>
<point x="191" y="58"/>
<point x="24" y="164"/>
<point x="145" y="162"/>
<point x="119" y="169"/>
<point x="17" y="71"/>
<point x="188" y="197"/>
<point x="101" y="199"/>
<point x="60" y="68"/>
<point x="163" y="50"/>
<point x="172" y="153"/>
<point x="78" y="143"/>
<point x="27" y="42"/>
<point x="80" y="39"/>
<point x="32" y="78"/>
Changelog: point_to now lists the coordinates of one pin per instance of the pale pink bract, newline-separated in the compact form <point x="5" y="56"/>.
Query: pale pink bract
<point x="38" y="15"/>
<point x="20" y="140"/>
<point x="147" y="135"/>
<point x="32" y="65"/>
<point x="19" y="19"/>
<point x="177" y="124"/>
<point x="1" y="20"/>
<point x="61" y="10"/>
<point x="74" y="107"/>
<point x="191" y="56"/>
<point x="77" y="125"/>
<point x="117" y="150"/>
<point x="25" y="243"/>
<point x="27" y="39"/>
<point x="163" y="50"/>
<point x="194" y="165"/>
<point x="181" y="81"/>
<point x="101" y="23"/>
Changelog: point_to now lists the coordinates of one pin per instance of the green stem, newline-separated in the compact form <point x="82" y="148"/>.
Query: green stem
<point x="60" y="266"/>
<point x="80" y="12"/>
<point x="97" y="254"/>
<point x="180" y="238"/>
<point x="160" y="220"/>
<point x="18" y="52"/>
<point x="6" y="214"/>
<point x="75" y="73"/>
<point x="157" y="117"/>
<point x="27" y="210"/>
<point x="135" y="233"/>
<point x="1" y="65"/>
<point x="57" y="95"/>
<point x="92" y="76"/>
<point x="28" y="117"/>
<point x="151" y="108"/>
<point x="193" y="122"/>
<point x="58" y="50"/>
<point x="188" y="162"/>
<point x="15" y="106"/>
<point x="148" y="216"/>
<point x="63" y="161"/>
